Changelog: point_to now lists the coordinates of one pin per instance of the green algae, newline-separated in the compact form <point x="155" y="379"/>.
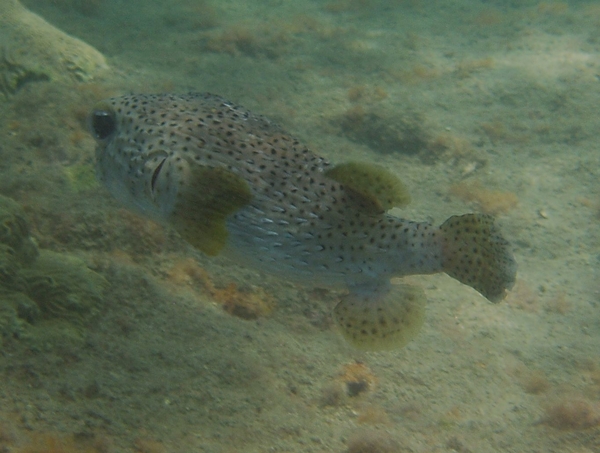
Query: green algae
<point x="81" y="177"/>
<point x="52" y="334"/>
<point x="12" y="306"/>
<point x="10" y="266"/>
<point x="14" y="231"/>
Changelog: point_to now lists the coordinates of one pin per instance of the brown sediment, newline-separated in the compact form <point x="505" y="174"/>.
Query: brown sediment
<point x="246" y="303"/>
<point x="357" y="378"/>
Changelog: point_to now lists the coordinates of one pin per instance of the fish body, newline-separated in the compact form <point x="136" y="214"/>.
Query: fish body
<point x="232" y="182"/>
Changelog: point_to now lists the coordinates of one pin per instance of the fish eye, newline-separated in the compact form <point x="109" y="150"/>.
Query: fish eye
<point x="103" y="123"/>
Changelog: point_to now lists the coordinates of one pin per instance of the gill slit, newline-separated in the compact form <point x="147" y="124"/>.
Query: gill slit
<point x="156" y="173"/>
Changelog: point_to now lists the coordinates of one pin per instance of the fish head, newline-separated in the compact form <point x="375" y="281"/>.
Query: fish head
<point x="137" y="157"/>
<point x="151" y="155"/>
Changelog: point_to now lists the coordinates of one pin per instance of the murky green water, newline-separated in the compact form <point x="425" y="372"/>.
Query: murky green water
<point x="119" y="337"/>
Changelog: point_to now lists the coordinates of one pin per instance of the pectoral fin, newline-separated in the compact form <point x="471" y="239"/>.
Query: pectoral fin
<point x="203" y="204"/>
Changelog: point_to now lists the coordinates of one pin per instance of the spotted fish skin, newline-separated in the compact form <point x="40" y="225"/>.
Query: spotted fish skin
<point x="282" y="212"/>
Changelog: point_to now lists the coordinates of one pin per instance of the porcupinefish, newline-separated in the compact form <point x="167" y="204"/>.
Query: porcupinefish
<point x="232" y="182"/>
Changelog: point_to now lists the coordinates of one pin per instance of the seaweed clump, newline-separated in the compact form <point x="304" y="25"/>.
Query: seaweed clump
<point x="572" y="414"/>
<point x="488" y="201"/>
<point x="44" y="295"/>
<point x="386" y="134"/>
<point x="248" y="40"/>
<point x="55" y="443"/>
<point x="373" y="442"/>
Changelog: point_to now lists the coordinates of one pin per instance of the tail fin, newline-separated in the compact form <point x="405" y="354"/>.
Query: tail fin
<point x="475" y="253"/>
<point x="382" y="317"/>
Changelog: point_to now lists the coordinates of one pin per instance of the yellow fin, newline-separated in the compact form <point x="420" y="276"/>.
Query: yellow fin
<point x="385" y="318"/>
<point x="203" y="205"/>
<point x="375" y="188"/>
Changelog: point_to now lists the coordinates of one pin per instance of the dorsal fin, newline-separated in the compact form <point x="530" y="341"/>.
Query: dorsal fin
<point x="373" y="187"/>
<point x="203" y="205"/>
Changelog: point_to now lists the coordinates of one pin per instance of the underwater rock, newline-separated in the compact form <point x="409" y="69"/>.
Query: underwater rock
<point x="32" y="50"/>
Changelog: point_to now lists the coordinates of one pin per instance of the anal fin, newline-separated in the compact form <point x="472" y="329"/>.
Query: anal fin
<point x="384" y="317"/>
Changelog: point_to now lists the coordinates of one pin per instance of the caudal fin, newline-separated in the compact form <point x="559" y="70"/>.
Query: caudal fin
<point x="382" y="317"/>
<point x="475" y="253"/>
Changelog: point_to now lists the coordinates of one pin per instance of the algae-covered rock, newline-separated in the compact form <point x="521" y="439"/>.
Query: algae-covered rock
<point x="52" y="334"/>
<point x="63" y="287"/>
<point x="17" y="312"/>
<point x="17" y="249"/>
<point x="33" y="50"/>
<point x="9" y="321"/>
<point x="14" y="233"/>
<point x="45" y="297"/>
<point x="9" y="268"/>
<point x="60" y="295"/>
